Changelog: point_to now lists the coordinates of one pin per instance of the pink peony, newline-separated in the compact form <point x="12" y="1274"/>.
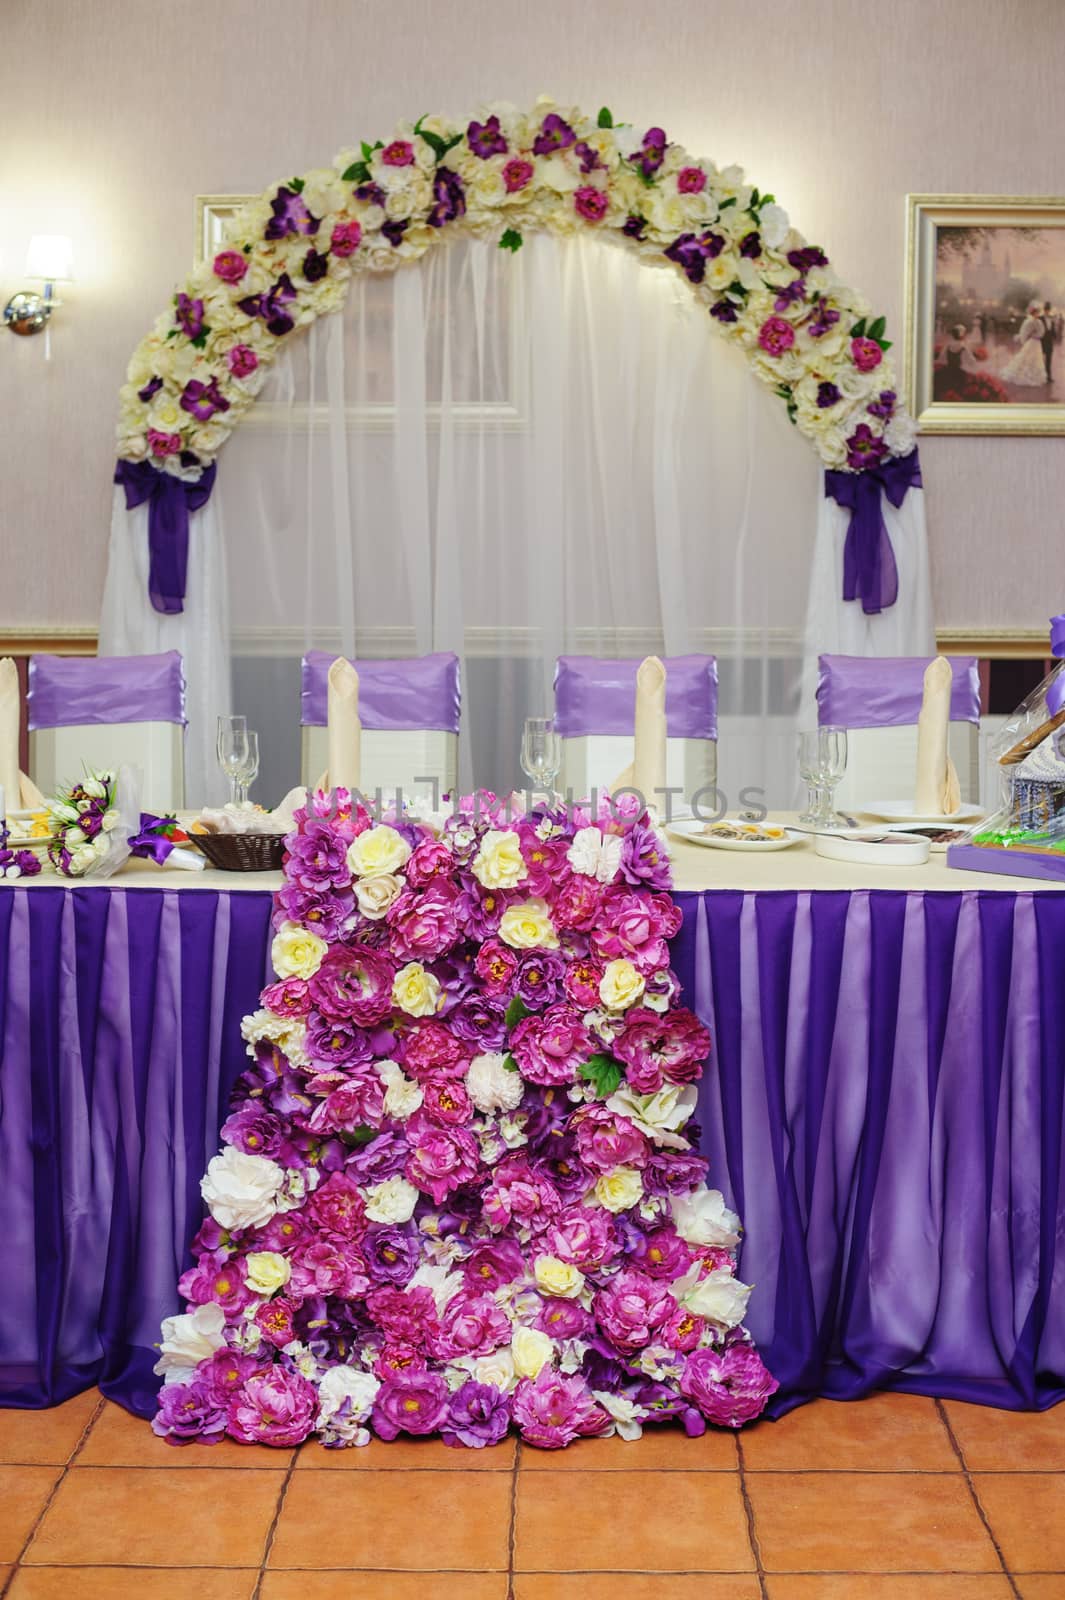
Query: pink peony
<point x="164" y="444"/>
<point x="563" y="1319"/>
<point x="691" y="180"/>
<point x="275" y="1407"/>
<point x="730" y="1386"/>
<point x="441" y="1159"/>
<point x="445" y="1101"/>
<point x="328" y="1266"/>
<point x="399" y="1358"/>
<point x="517" y="174"/>
<point x="776" y="336"/>
<point x="345" y="238"/>
<point x="590" y="203"/>
<point x="632" y="1308"/>
<point x="430" y="858"/>
<point x="288" y="998"/>
<point x="241" y="360"/>
<point x="357" y="1102"/>
<point x="413" y="1403"/>
<point x="585" y="1236"/>
<point x="581" y="983"/>
<point x="866" y="354"/>
<point x="405" y="1316"/>
<point x="666" y="1255"/>
<point x="550" y="1048"/>
<point x="495" y="964"/>
<point x="400" y="153"/>
<point x="577" y="903"/>
<point x="431" y="1050"/>
<point x="682" y="1331"/>
<point x="218" y="1278"/>
<point x="606" y="1141"/>
<point x="354" y="981"/>
<point x="472" y="1325"/>
<point x="635" y="926"/>
<point x="661" y="1047"/>
<point x="551" y="1411"/>
<point x="274" y="1320"/>
<point x="493" y="1264"/>
<point x="338" y="1207"/>
<point x="520" y="1197"/>
<point x="225" y="1372"/>
<point x="230" y="266"/>
<point x="425" y="925"/>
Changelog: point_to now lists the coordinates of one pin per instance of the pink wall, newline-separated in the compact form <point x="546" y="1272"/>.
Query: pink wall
<point x="115" y="113"/>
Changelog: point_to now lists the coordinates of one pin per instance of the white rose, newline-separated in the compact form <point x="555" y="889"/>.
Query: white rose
<point x="393" y="1200"/>
<point x="402" y="1095"/>
<point x="595" y="855"/>
<point x="556" y="1278"/>
<point x="82" y="858"/>
<point x="416" y="991"/>
<point x="296" y="952"/>
<point x="658" y="1115"/>
<point x="702" y="1218"/>
<point x="626" y="1413"/>
<point x="241" y="1190"/>
<point x="719" y="1297"/>
<point x="492" y="1086"/>
<point x="497" y="1369"/>
<point x="773" y="225"/>
<point x="342" y="1384"/>
<point x="528" y="926"/>
<point x="621" y="985"/>
<point x="268" y="1271"/>
<point x="499" y="863"/>
<point x="378" y="851"/>
<point x="620" y="1189"/>
<point x="375" y="895"/>
<point x="288" y="1033"/>
<point x="531" y="1350"/>
<point x="188" y="1340"/>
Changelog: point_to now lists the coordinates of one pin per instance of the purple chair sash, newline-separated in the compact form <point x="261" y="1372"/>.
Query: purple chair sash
<point x="413" y="694"/>
<point x="597" y="695"/>
<point x="886" y="691"/>
<point x="72" y="691"/>
<point x="869" y="571"/>
<point x="170" y="500"/>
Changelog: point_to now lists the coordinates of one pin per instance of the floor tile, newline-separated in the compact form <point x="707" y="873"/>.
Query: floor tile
<point x="125" y="1516"/>
<point x="634" y="1586"/>
<point x="408" y="1455"/>
<point x="46" y="1437"/>
<point x="413" y="1521"/>
<point x="23" y="1492"/>
<point x="868" y="1522"/>
<point x="888" y="1586"/>
<point x="1042" y="1586"/>
<point x="378" y="1586"/>
<point x="886" y="1433"/>
<point x="1026" y="1511"/>
<point x="631" y="1521"/>
<point x="121" y="1440"/>
<point x="131" y="1583"/>
<point x="660" y="1450"/>
<point x="1008" y="1441"/>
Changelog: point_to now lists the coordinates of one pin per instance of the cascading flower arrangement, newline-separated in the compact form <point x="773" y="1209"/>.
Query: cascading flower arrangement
<point x="457" y="1192"/>
<point x="292" y="252"/>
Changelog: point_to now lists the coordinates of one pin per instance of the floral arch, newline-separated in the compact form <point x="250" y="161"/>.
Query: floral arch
<point x="291" y="255"/>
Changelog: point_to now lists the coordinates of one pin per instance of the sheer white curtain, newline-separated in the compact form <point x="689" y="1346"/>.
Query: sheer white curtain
<point x="509" y="456"/>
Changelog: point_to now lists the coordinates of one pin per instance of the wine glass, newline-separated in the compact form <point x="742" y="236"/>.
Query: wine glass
<point x="833" y="766"/>
<point x="250" y="770"/>
<point x="541" y="752"/>
<point x="810" y="772"/>
<point x="231" y="746"/>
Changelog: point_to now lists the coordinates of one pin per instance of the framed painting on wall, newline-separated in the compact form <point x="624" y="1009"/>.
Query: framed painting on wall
<point x="985" y="313"/>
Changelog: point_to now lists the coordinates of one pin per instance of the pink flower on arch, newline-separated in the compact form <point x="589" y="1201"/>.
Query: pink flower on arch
<point x="517" y="174"/>
<point x="590" y="203"/>
<point x="866" y="354"/>
<point x="776" y="336"/>
<point x="400" y="153"/>
<point x="230" y="265"/>
<point x="345" y="238"/>
<point x="241" y="360"/>
<point x="691" y="180"/>
<point x="163" y="444"/>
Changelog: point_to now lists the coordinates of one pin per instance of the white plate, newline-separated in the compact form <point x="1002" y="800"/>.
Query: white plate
<point x="693" y="832"/>
<point x="902" y="811"/>
<point x="870" y="848"/>
<point x="37" y="843"/>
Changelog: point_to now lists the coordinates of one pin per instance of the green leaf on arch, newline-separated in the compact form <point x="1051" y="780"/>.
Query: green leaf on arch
<point x="605" y="1073"/>
<point x="604" y="119"/>
<point x="514" y="1013"/>
<point x="511" y="240"/>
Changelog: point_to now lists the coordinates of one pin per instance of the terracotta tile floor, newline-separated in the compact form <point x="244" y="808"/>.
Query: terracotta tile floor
<point x="893" y="1498"/>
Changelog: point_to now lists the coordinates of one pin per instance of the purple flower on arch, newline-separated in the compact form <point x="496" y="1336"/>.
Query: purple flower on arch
<point x="692" y="251"/>
<point x="150" y="388"/>
<point x="751" y="245"/>
<point x="189" y="316"/>
<point x="634" y="227"/>
<point x="825" y="320"/>
<point x="555" y="134"/>
<point x="315" y="265"/>
<point x="202" y="400"/>
<point x="589" y="158"/>
<point x="290" y="215"/>
<point x="827" y="395"/>
<point x="809" y="256"/>
<point x="486" y="139"/>
<point x="789" y="293"/>
<point x="884" y="407"/>
<point x="371" y="193"/>
<point x="450" y="198"/>
<point x="271" y="305"/>
<point x="724" y="311"/>
<point x="653" y="152"/>
<point x="864" y="449"/>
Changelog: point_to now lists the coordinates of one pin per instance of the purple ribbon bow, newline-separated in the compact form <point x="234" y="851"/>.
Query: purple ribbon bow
<point x="869" y="570"/>
<point x="170" y="501"/>
<point x="150" y="844"/>
<point x="1056" y="692"/>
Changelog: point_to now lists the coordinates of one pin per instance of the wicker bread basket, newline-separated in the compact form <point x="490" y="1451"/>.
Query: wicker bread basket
<point x="242" y="852"/>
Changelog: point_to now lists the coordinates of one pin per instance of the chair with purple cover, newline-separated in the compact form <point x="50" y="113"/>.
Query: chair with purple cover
<point x="109" y="711"/>
<point x="595" y="700"/>
<point x="409" y="710"/>
<point x="878" y="700"/>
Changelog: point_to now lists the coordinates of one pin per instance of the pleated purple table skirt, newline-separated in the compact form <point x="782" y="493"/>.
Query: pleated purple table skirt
<point x="884" y="1108"/>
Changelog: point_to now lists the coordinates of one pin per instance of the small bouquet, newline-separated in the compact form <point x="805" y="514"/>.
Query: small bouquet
<point x="15" y="863"/>
<point x="99" y="825"/>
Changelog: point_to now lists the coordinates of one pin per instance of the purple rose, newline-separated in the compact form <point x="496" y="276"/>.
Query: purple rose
<point x="563" y="1319"/>
<point x="661" y="1047"/>
<point x="724" y="311"/>
<point x="540" y="978"/>
<point x="828" y="395"/>
<point x="653" y="152"/>
<point x="315" y="265"/>
<point x="353" y="982"/>
<point x="692" y="251"/>
<point x="826" y="319"/>
<point x="151" y="388"/>
<point x="186" y="1412"/>
<point x="634" y="227"/>
<point x="327" y="912"/>
<point x="485" y="138"/>
<point x="789" y="293"/>
<point x="884" y="407"/>
<point x="479" y="1414"/>
<point x="254" y="1129"/>
<point x="806" y="258"/>
<point x="392" y="1254"/>
<point x="317" y="856"/>
<point x="336" y="1041"/>
<point x="730" y="1386"/>
<point x="276" y="1407"/>
<point x="493" y="1264"/>
<point x="271" y="306"/>
<point x="412" y="1402"/>
<point x="479" y="1019"/>
<point x="751" y="245"/>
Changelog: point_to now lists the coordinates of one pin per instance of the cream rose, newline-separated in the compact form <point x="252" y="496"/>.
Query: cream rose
<point x="393" y="1201"/>
<point x="296" y="952"/>
<point x="621" y="985"/>
<point x="188" y="1340"/>
<point x="660" y="1115"/>
<point x="402" y="1095"/>
<point x="719" y="1297"/>
<point x="416" y="991"/>
<point x="241" y="1190"/>
<point x="346" y="1384"/>
<point x="620" y="1189"/>
<point x="492" y="1086"/>
<point x="378" y="851"/>
<point x="499" y="863"/>
<point x="702" y="1218"/>
<point x="375" y="895"/>
<point x="268" y="1271"/>
<point x="528" y="926"/>
<point x="530" y="1350"/>
<point x="557" y="1278"/>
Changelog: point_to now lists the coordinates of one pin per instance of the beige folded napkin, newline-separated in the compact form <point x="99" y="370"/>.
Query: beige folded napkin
<point x="344" y="727"/>
<point x="937" y="792"/>
<point x="20" y="793"/>
<point x="647" y="771"/>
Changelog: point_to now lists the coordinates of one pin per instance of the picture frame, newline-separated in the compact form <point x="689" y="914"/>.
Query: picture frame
<point x="977" y="360"/>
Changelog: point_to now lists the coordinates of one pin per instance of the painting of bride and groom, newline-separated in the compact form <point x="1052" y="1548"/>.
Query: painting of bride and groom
<point x="999" y="317"/>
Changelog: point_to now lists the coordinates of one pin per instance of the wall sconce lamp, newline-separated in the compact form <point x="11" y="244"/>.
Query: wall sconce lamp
<point x="50" y="258"/>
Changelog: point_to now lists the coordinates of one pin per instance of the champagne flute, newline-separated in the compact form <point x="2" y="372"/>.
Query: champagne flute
<point x="541" y="752"/>
<point x="231" y="746"/>
<point x="810" y="772"/>
<point x="833" y="766"/>
<point x="250" y="770"/>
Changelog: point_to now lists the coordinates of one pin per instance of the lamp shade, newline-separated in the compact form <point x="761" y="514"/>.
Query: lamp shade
<point x="50" y="256"/>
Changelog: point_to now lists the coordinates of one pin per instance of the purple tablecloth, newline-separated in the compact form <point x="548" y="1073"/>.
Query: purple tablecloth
<point x="884" y="1108"/>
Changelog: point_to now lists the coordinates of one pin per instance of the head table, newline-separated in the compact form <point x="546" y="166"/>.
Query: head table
<point x="884" y="1108"/>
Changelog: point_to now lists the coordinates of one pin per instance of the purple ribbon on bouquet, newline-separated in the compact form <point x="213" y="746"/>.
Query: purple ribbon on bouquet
<point x="1056" y="692"/>
<point x="869" y="570"/>
<point x="170" y="501"/>
<point x="150" y="844"/>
